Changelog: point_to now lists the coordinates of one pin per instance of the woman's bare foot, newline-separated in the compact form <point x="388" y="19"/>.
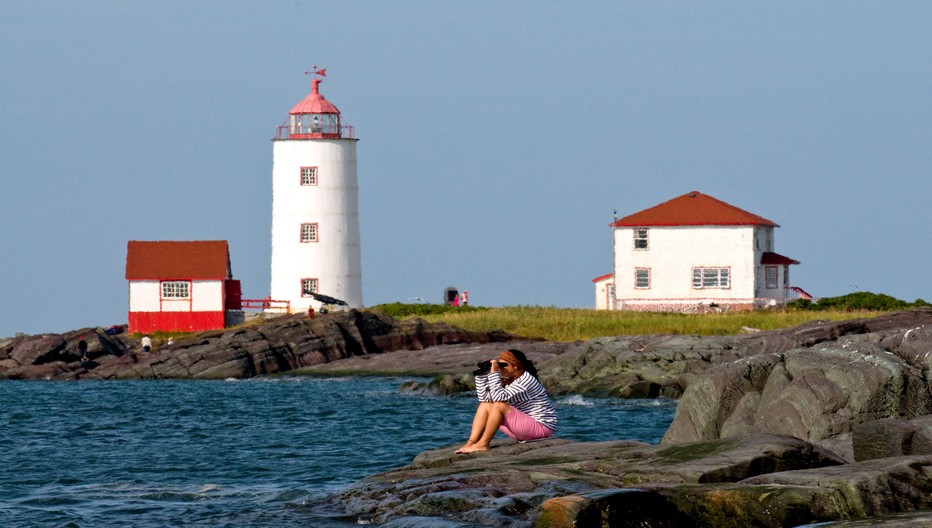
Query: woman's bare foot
<point x="467" y="446"/>
<point x="473" y="448"/>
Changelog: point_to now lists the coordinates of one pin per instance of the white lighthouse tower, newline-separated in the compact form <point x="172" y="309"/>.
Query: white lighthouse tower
<point x="315" y="206"/>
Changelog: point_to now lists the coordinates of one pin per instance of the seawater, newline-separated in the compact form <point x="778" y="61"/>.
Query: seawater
<point x="258" y="452"/>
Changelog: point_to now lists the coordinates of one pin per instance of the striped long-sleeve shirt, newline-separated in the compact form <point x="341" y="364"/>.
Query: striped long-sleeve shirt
<point x="525" y="393"/>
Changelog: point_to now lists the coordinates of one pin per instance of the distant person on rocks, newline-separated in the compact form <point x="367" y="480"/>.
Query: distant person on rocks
<point x="146" y="344"/>
<point x="512" y="399"/>
<point x="82" y="348"/>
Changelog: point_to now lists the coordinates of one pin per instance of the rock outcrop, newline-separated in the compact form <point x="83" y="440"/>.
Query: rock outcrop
<point x="761" y="480"/>
<point x="271" y="347"/>
<point x="816" y="393"/>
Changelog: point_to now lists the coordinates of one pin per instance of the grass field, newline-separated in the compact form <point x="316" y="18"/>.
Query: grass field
<point x="567" y="324"/>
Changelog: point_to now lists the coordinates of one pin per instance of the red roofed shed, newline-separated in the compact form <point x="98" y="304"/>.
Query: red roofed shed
<point x="179" y="286"/>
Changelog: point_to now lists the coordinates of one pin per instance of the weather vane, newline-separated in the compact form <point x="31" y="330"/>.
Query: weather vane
<point x="314" y="71"/>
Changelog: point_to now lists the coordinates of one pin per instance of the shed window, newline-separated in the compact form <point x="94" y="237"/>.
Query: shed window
<point x="176" y="289"/>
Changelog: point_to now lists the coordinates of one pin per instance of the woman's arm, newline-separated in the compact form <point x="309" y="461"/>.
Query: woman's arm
<point x="514" y="391"/>
<point x="482" y="387"/>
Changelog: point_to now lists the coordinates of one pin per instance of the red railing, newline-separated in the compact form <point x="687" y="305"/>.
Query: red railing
<point x="346" y="132"/>
<point x="270" y="305"/>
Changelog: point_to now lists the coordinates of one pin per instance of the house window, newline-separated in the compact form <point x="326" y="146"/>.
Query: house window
<point x="176" y="289"/>
<point x="308" y="232"/>
<point x="308" y="286"/>
<point x="770" y="273"/>
<point x="642" y="278"/>
<point x="308" y="175"/>
<point x="711" y="278"/>
<point x="640" y="239"/>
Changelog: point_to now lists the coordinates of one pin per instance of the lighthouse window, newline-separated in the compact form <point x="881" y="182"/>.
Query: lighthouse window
<point x="176" y="289"/>
<point x="308" y="232"/>
<point x="308" y="286"/>
<point x="308" y="175"/>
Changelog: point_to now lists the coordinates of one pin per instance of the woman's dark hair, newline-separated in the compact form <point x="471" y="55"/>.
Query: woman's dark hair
<point x="525" y="362"/>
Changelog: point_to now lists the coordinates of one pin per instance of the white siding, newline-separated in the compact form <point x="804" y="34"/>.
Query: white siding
<point x="671" y="255"/>
<point x="603" y="294"/>
<point x="207" y="296"/>
<point x="146" y="296"/>
<point x="332" y="204"/>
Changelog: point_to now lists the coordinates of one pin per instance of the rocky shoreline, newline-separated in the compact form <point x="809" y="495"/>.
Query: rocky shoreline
<point x="829" y="421"/>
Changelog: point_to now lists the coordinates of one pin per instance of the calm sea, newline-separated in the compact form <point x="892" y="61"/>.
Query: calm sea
<point x="235" y="453"/>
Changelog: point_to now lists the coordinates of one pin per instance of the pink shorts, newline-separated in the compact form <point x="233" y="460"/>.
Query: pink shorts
<point x="522" y="427"/>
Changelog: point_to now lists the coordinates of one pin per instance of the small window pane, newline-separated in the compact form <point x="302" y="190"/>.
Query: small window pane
<point x="640" y="239"/>
<point x="770" y="272"/>
<point x="176" y="290"/>
<point x="308" y="175"/>
<point x="642" y="278"/>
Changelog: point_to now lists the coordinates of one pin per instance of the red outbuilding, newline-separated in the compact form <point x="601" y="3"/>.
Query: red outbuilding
<point x="180" y="286"/>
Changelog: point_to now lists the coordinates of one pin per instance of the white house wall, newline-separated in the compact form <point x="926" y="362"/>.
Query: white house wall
<point x="334" y="260"/>
<point x="672" y="254"/>
<point x="603" y="294"/>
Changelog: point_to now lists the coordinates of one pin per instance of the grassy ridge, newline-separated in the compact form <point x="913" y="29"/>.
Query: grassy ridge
<point x="569" y="324"/>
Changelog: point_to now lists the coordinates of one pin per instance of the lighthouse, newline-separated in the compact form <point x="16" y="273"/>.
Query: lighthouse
<point x="315" y="206"/>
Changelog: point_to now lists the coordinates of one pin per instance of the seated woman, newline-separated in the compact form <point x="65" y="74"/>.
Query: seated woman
<point x="513" y="399"/>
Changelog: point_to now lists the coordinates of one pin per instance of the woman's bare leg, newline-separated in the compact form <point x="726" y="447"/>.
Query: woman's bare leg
<point x="478" y="424"/>
<point x="488" y="419"/>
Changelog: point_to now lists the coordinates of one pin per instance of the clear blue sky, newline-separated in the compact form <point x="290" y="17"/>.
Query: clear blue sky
<point x="496" y="138"/>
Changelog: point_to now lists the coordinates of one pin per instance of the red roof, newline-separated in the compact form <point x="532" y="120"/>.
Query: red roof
<point x="692" y="209"/>
<point x="200" y="259"/>
<point x="314" y="103"/>
<point x="603" y="277"/>
<point x="776" y="258"/>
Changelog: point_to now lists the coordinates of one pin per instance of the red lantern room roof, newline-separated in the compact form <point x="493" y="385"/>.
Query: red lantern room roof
<point x="314" y="103"/>
<point x="314" y="117"/>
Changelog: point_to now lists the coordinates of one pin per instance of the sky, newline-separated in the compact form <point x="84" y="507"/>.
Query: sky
<point x="496" y="138"/>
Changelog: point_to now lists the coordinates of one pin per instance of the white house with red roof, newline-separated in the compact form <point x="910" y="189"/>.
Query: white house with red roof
<point x="693" y="253"/>
<point x="180" y="286"/>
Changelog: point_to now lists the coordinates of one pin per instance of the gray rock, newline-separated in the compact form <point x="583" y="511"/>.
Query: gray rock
<point x="555" y="483"/>
<point x="892" y="438"/>
<point x="813" y="393"/>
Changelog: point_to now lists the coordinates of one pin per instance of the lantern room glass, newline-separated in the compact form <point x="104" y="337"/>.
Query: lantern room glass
<point x="328" y="124"/>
